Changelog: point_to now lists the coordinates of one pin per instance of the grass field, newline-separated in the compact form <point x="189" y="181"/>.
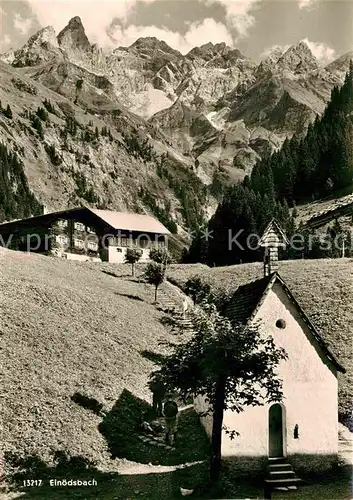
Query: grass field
<point x="65" y="329"/>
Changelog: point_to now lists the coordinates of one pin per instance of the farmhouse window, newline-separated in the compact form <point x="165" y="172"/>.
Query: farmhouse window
<point x="61" y="223"/>
<point x="92" y="246"/>
<point x="61" y="239"/>
<point x="79" y="243"/>
<point x="143" y="243"/>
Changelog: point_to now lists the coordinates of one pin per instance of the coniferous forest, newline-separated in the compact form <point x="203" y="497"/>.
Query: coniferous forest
<point x="16" y="199"/>
<point x="316" y="166"/>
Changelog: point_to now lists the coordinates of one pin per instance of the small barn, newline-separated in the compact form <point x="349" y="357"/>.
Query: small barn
<point x="85" y="234"/>
<point x="301" y="432"/>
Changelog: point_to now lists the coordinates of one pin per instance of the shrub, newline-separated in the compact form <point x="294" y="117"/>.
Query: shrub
<point x="42" y="114"/>
<point x="160" y="255"/>
<point x="197" y="288"/>
<point x="49" y="106"/>
<point x="133" y="146"/>
<point x="132" y="256"/>
<point x="82" y="189"/>
<point x="37" y="125"/>
<point x="21" y="85"/>
<point x="161" y="213"/>
<point x="71" y="125"/>
<point x="116" y="113"/>
<point x="87" y="136"/>
<point x="154" y="275"/>
<point x="79" y="84"/>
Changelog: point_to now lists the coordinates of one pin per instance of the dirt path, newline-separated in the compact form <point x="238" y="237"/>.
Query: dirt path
<point x="180" y="293"/>
<point x="135" y="468"/>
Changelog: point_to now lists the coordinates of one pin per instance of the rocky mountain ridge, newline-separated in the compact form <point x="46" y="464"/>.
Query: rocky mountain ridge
<point x="212" y="112"/>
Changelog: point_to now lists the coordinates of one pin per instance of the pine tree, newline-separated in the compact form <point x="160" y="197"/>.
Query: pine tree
<point x="16" y="199"/>
<point x="42" y="114"/>
<point x="8" y="112"/>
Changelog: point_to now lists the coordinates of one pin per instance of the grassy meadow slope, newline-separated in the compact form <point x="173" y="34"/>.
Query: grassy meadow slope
<point x="68" y="328"/>
<point x="324" y="288"/>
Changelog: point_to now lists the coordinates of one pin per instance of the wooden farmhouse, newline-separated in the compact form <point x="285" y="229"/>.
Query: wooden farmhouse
<point x="301" y="432"/>
<point x="85" y="234"/>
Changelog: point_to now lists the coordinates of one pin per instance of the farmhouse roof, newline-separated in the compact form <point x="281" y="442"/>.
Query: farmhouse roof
<point x="131" y="221"/>
<point x="247" y="300"/>
<point x="111" y="220"/>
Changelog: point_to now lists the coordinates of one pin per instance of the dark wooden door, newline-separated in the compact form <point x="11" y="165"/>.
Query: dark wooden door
<point x="276" y="431"/>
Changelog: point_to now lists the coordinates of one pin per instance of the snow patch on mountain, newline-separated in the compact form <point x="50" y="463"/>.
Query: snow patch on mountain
<point x="149" y="101"/>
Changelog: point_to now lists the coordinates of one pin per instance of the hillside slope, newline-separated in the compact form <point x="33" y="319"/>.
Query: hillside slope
<point x="68" y="328"/>
<point x="97" y="153"/>
<point x="71" y="328"/>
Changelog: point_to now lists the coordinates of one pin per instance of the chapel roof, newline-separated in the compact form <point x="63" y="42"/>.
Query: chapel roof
<point x="248" y="298"/>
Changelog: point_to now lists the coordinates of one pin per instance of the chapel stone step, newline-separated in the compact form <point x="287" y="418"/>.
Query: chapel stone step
<point x="284" y="488"/>
<point x="277" y="460"/>
<point x="155" y="442"/>
<point x="284" y="482"/>
<point x="279" y="467"/>
<point x="285" y="474"/>
<point x="280" y="476"/>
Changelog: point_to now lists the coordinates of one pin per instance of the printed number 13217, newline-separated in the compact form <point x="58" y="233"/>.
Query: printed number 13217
<point x="32" y="482"/>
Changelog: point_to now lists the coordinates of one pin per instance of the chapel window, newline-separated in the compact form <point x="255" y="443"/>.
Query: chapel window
<point x="280" y="323"/>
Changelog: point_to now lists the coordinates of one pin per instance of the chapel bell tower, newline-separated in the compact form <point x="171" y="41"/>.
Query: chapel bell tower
<point x="272" y="239"/>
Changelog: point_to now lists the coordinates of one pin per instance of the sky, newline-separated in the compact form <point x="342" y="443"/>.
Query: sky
<point x="255" y="27"/>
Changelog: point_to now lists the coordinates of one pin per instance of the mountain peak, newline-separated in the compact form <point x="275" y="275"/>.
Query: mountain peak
<point x="146" y="40"/>
<point x="298" y="58"/>
<point x="217" y="55"/>
<point x="301" y="47"/>
<point x="46" y="34"/>
<point x="73" y="36"/>
<point x="153" y="43"/>
<point x="75" y="22"/>
<point x="42" y="46"/>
